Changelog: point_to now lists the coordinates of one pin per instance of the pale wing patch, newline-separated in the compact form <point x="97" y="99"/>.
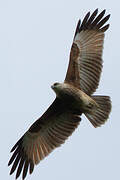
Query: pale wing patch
<point x="89" y="62"/>
<point x="39" y="145"/>
<point x="85" y="63"/>
<point x="33" y="147"/>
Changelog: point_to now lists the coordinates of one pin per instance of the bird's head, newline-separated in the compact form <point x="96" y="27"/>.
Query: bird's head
<point x="58" y="88"/>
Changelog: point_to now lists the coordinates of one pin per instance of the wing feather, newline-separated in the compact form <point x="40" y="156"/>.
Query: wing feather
<point x="85" y="63"/>
<point x="92" y="17"/>
<point x="37" y="143"/>
<point x="20" y="167"/>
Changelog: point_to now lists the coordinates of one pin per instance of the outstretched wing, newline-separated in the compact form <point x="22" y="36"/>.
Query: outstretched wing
<point x="47" y="133"/>
<point x="85" y="63"/>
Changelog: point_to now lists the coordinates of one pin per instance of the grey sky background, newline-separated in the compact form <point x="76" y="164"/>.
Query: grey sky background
<point x="35" y="41"/>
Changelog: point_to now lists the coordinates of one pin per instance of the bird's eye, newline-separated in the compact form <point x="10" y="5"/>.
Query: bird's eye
<point x="55" y="84"/>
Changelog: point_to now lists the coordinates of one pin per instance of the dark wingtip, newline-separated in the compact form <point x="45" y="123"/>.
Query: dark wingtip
<point x="109" y="15"/>
<point x="86" y="17"/>
<point x="88" y="14"/>
<point x="9" y="163"/>
<point x="78" y="27"/>
<point x="31" y="167"/>
<point x="12" y="149"/>
<point x="105" y="28"/>
<point x="95" y="21"/>
<point x="103" y="12"/>
<point x="19" y="142"/>
<point x="13" y="157"/>
<point x="19" y="169"/>
<point x="12" y="171"/>
<point x="84" y="22"/>
<point x="96" y="10"/>
<point x="25" y="169"/>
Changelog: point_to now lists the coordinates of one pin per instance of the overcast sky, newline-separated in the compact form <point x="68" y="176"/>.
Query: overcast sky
<point x="35" y="41"/>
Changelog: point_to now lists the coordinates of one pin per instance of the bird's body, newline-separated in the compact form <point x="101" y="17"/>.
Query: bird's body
<point x="73" y="98"/>
<point x="76" y="100"/>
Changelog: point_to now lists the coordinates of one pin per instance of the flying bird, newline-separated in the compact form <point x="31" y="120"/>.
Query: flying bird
<point x="73" y="98"/>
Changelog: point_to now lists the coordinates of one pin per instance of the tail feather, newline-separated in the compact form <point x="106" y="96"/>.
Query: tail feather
<point x="101" y="114"/>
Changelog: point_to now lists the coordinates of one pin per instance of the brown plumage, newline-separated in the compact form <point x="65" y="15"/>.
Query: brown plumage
<point x="73" y="97"/>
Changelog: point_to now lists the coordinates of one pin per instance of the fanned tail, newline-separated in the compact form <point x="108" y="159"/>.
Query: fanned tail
<point x="101" y="114"/>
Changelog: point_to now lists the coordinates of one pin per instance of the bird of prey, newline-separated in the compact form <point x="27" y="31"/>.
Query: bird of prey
<point x="73" y="98"/>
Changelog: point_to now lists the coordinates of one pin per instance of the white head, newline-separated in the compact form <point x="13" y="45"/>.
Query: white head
<point x="57" y="87"/>
<point x="62" y="90"/>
